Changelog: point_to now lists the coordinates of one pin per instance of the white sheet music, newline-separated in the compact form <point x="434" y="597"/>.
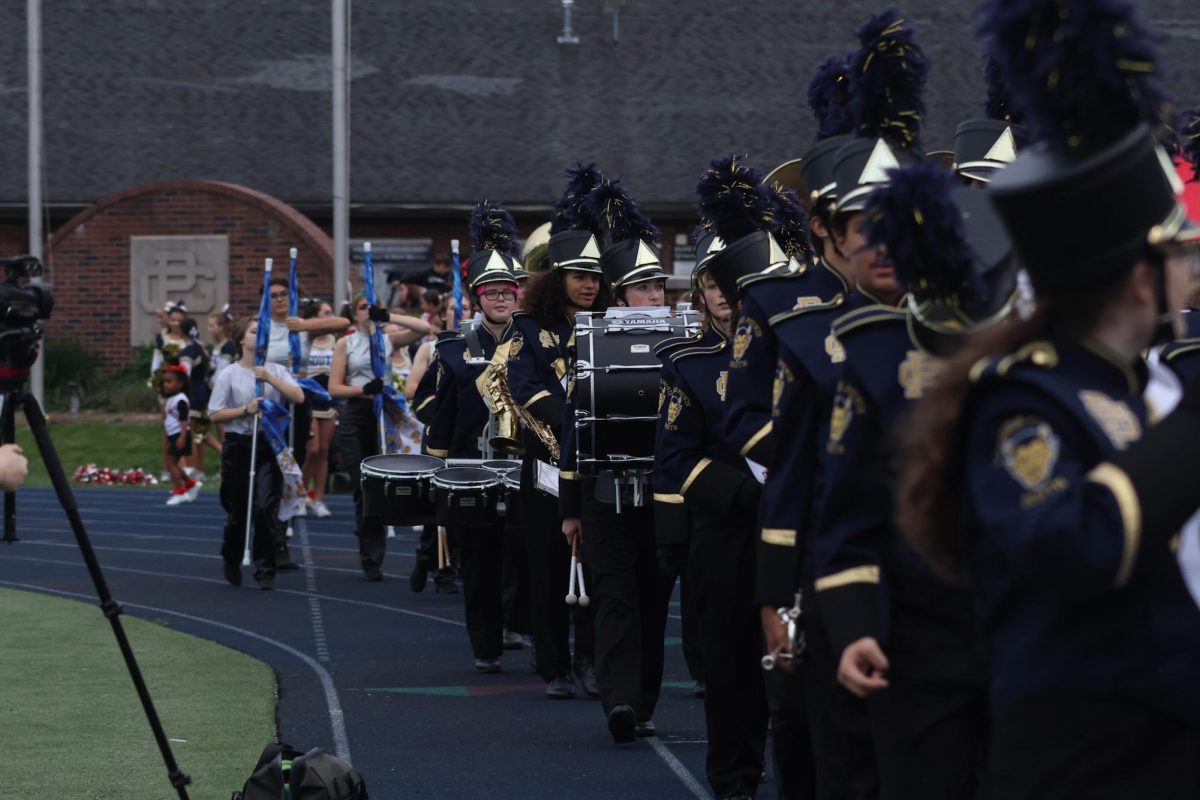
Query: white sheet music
<point x="545" y="478"/>
<point x="1163" y="393"/>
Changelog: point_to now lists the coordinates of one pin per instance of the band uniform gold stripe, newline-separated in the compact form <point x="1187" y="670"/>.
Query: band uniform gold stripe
<point x="779" y="536"/>
<point x="426" y="402"/>
<point x="758" y="437"/>
<point x="1117" y="482"/>
<point x="536" y="397"/>
<point x="695" y="473"/>
<point x="869" y="574"/>
<point x="568" y="476"/>
<point x="437" y="453"/>
<point x="674" y="499"/>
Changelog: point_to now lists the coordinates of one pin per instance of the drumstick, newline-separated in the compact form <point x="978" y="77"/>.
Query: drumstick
<point x="571" y="597"/>
<point x="443" y="556"/>
<point x="583" y="595"/>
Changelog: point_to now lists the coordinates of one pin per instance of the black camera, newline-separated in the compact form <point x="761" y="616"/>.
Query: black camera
<point x="22" y="310"/>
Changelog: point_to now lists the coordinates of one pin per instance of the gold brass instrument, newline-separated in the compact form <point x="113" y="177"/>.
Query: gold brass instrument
<point x="533" y="254"/>
<point x="506" y="430"/>
<point x="493" y="387"/>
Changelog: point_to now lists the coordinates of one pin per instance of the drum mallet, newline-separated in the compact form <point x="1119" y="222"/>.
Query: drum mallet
<point x="571" y="597"/>
<point x="583" y="595"/>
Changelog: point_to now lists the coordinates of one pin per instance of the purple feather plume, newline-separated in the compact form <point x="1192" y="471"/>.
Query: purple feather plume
<point x="492" y="228"/>
<point x="618" y="213"/>
<point x="829" y="96"/>
<point x="915" y="217"/>
<point x="1085" y="72"/>
<point x="791" y="223"/>
<point x="733" y="197"/>
<point x="570" y="213"/>
<point x="889" y="73"/>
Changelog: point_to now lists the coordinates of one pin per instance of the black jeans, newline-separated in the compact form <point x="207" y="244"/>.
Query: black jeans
<point x="516" y="572"/>
<point x="358" y="438"/>
<point x="235" y="483"/>
<point x="630" y="596"/>
<point x="481" y="549"/>
<point x="549" y="561"/>
<point x="735" y="702"/>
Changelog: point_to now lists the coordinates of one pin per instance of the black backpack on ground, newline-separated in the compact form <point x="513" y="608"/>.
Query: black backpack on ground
<point x="284" y="773"/>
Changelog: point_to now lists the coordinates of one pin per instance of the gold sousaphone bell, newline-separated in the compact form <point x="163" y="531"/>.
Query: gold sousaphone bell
<point x="533" y="254"/>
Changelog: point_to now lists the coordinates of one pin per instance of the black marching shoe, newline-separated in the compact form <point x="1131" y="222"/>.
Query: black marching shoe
<point x="283" y="561"/>
<point x="560" y="688"/>
<point x="265" y="582"/>
<point x="233" y="573"/>
<point x="419" y="576"/>
<point x="488" y="666"/>
<point x="622" y="723"/>
<point x="372" y="572"/>
<point x="585" y="674"/>
<point x="645" y="729"/>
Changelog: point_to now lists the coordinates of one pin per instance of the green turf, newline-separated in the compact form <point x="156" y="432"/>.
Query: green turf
<point x="118" y="445"/>
<point x="74" y="727"/>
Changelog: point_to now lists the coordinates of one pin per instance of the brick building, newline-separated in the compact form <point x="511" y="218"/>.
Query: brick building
<point x="449" y="103"/>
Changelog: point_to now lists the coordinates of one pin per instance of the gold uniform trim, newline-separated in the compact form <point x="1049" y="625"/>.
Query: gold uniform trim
<point x="779" y="536"/>
<point x="763" y="432"/>
<point x="536" y="397"/>
<point x="568" y="476"/>
<point x="1118" y="483"/>
<point x="846" y="577"/>
<point x="426" y="402"/>
<point x="695" y="473"/>
<point x="437" y="453"/>
<point x="673" y="499"/>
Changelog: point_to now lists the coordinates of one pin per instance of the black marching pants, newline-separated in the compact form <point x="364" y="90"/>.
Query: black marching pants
<point x="235" y="482"/>
<point x="735" y="703"/>
<point x="630" y="597"/>
<point x="516" y="572"/>
<point x="358" y="437"/>
<point x="481" y="549"/>
<point x="841" y="737"/>
<point x="930" y="725"/>
<point x="549" y="561"/>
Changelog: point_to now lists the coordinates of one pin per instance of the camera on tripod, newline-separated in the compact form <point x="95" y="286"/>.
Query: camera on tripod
<point x="22" y="311"/>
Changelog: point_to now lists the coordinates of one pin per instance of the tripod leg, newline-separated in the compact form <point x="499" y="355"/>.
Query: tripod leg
<point x="8" y="435"/>
<point x="110" y="607"/>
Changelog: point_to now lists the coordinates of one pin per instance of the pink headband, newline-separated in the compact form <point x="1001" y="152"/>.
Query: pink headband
<point x="483" y="287"/>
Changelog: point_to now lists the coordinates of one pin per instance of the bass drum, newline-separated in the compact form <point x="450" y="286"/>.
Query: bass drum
<point x="397" y="489"/>
<point x="466" y="496"/>
<point x="616" y="390"/>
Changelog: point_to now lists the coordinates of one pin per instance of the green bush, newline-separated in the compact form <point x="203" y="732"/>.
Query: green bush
<point x="69" y="361"/>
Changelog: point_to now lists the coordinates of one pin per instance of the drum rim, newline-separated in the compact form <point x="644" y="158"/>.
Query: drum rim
<point x="512" y="465"/>
<point x="378" y="472"/>
<point x="491" y="482"/>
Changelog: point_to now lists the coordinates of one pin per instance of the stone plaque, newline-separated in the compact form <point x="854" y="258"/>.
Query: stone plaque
<point x="194" y="269"/>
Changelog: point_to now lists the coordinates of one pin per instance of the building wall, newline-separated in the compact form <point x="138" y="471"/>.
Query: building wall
<point x="92" y="268"/>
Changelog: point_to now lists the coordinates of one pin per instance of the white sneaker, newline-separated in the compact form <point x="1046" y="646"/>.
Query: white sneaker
<point x="194" y="491"/>
<point x="177" y="499"/>
<point x="192" y="472"/>
<point x="320" y="509"/>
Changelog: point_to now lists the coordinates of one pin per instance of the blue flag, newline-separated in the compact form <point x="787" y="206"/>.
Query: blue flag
<point x="274" y="423"/>
<point x="458" y="288"/>
<point x="263" y="340"/>
<point x="389" y="396"/>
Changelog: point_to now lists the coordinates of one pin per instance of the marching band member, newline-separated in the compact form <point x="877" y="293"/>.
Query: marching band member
<point x="722" y="495"/>
<point x="460" y="417"/>
<point x="629" y="593"/>
<point x="538" y="362"/>
<point x="1036" y="468"/>
<point x="351" y="379"/>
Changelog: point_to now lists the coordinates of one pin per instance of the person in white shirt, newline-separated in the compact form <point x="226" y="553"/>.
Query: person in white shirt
<point x="233" y="404"/>
<point x="352" y="380"/>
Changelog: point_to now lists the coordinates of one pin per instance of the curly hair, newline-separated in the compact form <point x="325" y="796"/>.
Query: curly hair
<point x="545" y="297"/>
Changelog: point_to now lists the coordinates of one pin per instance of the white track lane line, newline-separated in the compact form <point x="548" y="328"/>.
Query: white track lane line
<point x="337" y="720"/>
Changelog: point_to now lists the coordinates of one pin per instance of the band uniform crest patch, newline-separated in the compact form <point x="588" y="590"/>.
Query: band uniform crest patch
<point x="806" y="302"/>
<point x="673" y="409"/>
<point x="722" y="383"/>
<point x="1114" y="417"/>
<point x="917" y="373"/>
<point x="1028" y="449"/>
<point x="834" y="349"/>
<point x="747" y="329"/>
<point x="846" y="405"/>
<point x="783" y="376"/>
<point x="548" y="339"/>
<point x="514" y="346"/>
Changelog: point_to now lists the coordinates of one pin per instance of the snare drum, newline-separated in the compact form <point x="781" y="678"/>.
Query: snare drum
<point x="466" y="496"/>
<point x="396" y="488"/>
<point x="510" y="496"/>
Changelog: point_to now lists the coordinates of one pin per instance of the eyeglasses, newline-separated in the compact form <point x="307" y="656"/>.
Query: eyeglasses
<point x="361" y="307"/>
<point x="497" y="294"/>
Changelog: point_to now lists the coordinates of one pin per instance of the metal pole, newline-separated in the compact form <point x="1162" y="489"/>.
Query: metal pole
<point x="33" y="34"/>
<point x="341" y="159"/>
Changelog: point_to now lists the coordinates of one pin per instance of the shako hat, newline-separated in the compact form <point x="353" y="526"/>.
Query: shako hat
<point x="493" y="237"/>
<point x="629" y="255"/>
<point x="574" y="242"/>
